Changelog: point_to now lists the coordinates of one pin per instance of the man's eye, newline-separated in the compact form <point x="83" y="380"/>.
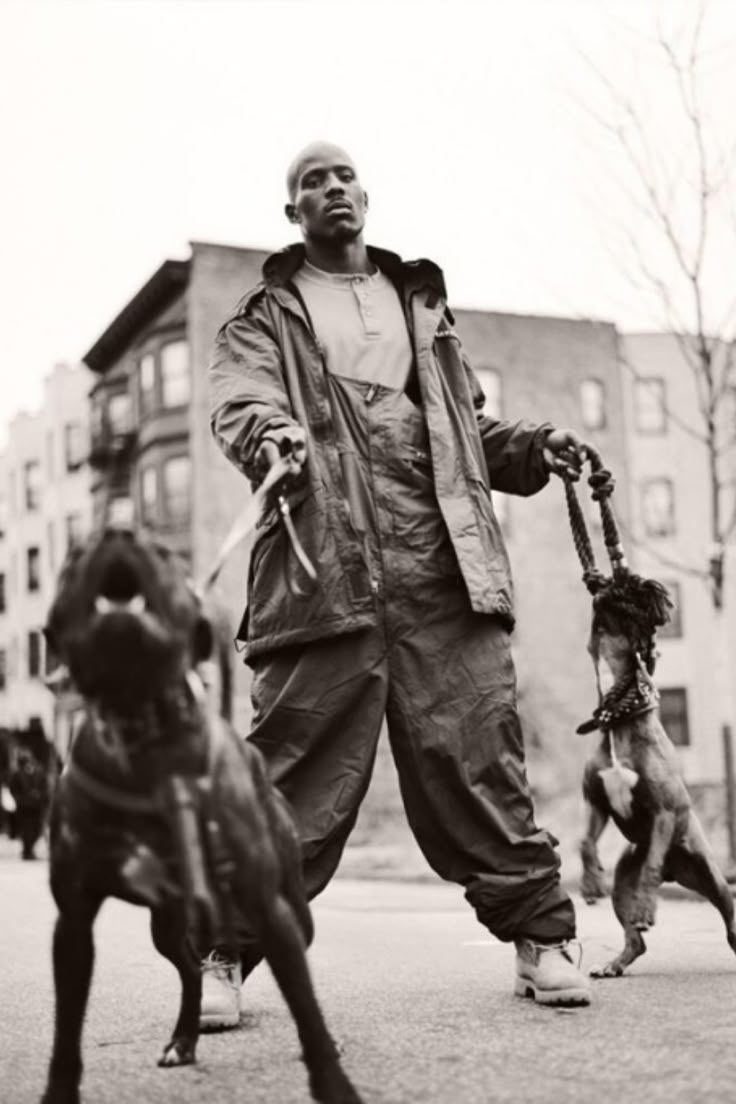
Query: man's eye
<point x="347" y="175"/>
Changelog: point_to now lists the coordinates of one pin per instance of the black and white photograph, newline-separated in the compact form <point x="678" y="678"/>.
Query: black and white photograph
<point x="367" y="551"/>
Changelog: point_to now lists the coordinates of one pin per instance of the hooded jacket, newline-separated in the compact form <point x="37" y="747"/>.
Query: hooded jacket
<point x="268" y="371"/>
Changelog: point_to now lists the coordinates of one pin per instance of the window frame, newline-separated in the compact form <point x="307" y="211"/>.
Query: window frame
<point x="645" y="487"/>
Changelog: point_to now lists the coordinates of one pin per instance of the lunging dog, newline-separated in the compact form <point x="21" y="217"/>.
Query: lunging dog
<point x="634" y="777"/>
<point x="162" y="805"/>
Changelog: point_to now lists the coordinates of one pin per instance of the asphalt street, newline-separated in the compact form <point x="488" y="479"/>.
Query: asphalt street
<point x="416" y="992"/>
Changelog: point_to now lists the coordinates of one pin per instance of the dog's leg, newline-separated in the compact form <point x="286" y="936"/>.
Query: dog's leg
<point x="592" y="885"/>
<point x="625" y="883"/>
<point x="643" y="904"/>
<point x="284" y="949"/>
<point x="692" y="865"/>
<point x="168" y="930"/>
<point x="73" y="958"/>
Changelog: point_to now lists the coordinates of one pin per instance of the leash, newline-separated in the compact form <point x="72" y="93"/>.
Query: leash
<point x="246" y="522"/>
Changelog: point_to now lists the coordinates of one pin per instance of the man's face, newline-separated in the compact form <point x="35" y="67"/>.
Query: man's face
<point x="327" y="200"/>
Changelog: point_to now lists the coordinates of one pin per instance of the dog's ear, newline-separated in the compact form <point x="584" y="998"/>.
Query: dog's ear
<point x="657" y="601"/>
<point x="203" y="639"/>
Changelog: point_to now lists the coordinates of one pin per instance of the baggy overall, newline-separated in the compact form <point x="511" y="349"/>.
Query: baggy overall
<point x="441" y="674"/>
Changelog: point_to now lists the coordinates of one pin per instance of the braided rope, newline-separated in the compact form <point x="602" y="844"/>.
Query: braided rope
<point x="602" y="484"/>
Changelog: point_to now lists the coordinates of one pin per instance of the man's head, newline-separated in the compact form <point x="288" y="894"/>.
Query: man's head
<point x="326" y="199"/>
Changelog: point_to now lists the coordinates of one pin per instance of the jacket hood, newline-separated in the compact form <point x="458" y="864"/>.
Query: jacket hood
<point x="279" y="268"/>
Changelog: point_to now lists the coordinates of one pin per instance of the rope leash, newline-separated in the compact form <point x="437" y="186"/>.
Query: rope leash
<point x="246" y="522"/>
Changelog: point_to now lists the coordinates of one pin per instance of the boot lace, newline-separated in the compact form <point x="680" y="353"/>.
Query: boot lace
<point x="217" y="965"/>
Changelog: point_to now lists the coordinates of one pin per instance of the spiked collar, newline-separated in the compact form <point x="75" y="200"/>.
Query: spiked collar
<point x="631" y="697"/>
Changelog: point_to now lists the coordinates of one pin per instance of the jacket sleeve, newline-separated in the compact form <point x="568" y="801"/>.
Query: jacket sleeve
<point x="247" y="392"/>
<point x="513" y="450"/>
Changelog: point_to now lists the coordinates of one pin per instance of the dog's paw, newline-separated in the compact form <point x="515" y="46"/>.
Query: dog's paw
<point x="611" y="969"/>
<point x="331" y="1085"/>
<point x="642" y="915"/>
<point x="179" y="1052"/>
<point x="592" y="890"/>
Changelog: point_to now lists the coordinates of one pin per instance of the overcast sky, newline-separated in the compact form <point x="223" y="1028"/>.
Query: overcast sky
<point x="128" y="129"/>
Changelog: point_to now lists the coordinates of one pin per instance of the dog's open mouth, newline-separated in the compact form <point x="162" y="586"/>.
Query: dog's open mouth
<point x="120" y="591"/>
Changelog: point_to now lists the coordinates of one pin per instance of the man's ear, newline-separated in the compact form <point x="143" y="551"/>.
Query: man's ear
<point x="291" y="212"/>
<point x="365" y="200"/>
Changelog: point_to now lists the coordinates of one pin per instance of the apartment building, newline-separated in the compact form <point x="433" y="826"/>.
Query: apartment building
<point x="44" y="504"/>
<point x="153" y="460"/>
<point x="671" y="540"/>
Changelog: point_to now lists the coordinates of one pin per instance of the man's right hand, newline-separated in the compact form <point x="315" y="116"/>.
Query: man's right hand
<point x="285" y="442"/>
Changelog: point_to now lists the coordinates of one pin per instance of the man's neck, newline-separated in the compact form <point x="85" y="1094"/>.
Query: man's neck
<point x="344" y="257"/>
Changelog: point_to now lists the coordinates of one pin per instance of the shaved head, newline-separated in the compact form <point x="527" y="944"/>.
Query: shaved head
<point x="315" y="151"/>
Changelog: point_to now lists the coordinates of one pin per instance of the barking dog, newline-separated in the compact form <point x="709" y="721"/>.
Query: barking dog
<point x="634" y="777"/>
<point x="162" y="805"/>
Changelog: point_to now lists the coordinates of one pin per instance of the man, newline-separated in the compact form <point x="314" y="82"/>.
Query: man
<point x="345" y="360"/>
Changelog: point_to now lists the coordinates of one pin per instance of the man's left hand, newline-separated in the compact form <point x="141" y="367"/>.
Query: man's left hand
<point x="564" y="453"/>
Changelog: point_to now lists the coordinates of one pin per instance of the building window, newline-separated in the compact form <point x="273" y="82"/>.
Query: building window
<point x="176" y="489"/>
<point x="650" y="410"/>
<point x="149" y="495"/>
<point x="175" y="373"/>
<point x="492" y="387"/>
<point x="32" y="484"/>
<point x="673" y="713"/>
<point x="74" y="529"/>
<point x="73" y="446"/>
<point x="673" y="628"/>
<point x="658" y="507"/>
<point x="34" y="654"/>
<point x="147" y="383"/>
<point x="119" y="412"/>
<point x="3" y="669"/>
<point x="593" y="404"/>
<point x="33" y="568"/>
<point x="120" y="512"/>
<point x="3" y="606"/>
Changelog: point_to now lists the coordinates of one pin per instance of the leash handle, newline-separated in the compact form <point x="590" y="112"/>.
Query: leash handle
<point x="602" y="484"/>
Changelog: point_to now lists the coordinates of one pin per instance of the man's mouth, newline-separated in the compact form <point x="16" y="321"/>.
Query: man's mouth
<point x="339" y="206"/>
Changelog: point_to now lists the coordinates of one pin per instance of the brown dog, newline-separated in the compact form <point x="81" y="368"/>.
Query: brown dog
<point x="162" y="805"/>
<point x="634" y="777"/>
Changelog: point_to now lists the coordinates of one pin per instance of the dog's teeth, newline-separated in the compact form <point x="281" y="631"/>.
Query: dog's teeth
<point x="135" y="605"/>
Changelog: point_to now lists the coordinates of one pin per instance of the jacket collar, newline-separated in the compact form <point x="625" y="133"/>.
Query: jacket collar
<point x="408" y="276"/>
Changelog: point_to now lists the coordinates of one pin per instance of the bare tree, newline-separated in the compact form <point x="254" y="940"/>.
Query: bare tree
<point x="680" y="190"/>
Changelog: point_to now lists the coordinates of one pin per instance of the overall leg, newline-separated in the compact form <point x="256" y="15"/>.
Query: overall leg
<point x="457" y="742"/>
<point x="318" y="710"/>
<point x="318" y="714"/>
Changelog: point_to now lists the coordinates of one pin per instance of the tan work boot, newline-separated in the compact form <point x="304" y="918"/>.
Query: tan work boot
<point x="548" y="973"/>
<point x="221" y="983"/>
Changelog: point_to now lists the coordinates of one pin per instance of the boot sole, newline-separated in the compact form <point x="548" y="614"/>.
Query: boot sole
<point x="523" y="987"/>
<point x="219" y="1023"/>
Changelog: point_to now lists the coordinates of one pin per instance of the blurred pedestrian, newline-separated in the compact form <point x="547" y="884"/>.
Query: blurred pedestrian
<point x="29" y="789"/>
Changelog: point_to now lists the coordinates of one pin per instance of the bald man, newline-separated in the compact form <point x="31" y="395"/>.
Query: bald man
<point x="345" y="359"/>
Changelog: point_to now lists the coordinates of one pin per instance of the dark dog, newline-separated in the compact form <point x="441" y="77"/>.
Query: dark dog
<point x="160" y="804"/>
<point x="634" y="777"/>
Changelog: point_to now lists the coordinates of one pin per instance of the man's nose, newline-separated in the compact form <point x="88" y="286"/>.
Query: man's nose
<point x="334" y="185"/>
